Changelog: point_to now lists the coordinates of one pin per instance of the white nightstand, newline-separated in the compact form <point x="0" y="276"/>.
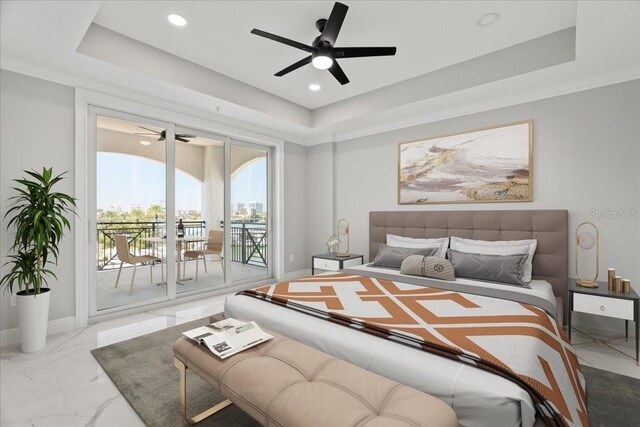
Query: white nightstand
<point x="602" y="302"/>
<point x="331" y="262"/>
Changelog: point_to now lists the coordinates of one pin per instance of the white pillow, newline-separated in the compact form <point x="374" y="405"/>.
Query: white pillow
<point x="409" y="242"/>
<point x="500" y="247"/>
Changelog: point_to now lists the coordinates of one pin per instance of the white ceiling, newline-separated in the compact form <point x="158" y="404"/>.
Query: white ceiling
<point x="133" y="128"/>
<point x="428" y="35"/>
<point x="42" y="39"/>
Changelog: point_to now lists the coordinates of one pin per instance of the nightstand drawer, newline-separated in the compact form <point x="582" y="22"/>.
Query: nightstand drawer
<point x="326" y="264"/>
<point x="610" y="307"/>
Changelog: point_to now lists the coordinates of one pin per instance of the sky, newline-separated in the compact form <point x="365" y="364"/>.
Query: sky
<point x="124" y="180"/>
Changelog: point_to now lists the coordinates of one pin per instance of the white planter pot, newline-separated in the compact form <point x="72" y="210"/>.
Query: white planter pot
<point x="33" y="317"/>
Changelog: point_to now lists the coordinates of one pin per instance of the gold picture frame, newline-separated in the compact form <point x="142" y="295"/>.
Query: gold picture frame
<point x="509" y="179"/>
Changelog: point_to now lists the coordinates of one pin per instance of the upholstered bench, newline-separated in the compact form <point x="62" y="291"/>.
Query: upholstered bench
<point x="285" y="383"/>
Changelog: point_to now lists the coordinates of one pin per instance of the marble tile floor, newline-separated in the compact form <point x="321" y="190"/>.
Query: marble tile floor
<point x="63" y="385"/>
<point x="619" y="356"/>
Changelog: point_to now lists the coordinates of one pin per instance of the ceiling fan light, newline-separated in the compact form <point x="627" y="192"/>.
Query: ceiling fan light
<point x="322" y="62"/>
<point x="143" y="142"/>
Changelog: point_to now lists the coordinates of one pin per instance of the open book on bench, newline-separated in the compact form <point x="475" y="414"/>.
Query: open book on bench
<point x="229" y="336"/>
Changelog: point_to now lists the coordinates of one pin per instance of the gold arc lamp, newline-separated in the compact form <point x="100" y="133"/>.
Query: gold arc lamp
<point x="587" y="240"/>
<point x="343" y="235"/>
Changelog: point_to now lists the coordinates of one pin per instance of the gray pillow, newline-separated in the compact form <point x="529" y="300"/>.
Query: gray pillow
<point x="392" y="257"/>
<point x="494" y="268"/>
<point x="428" y="266"/>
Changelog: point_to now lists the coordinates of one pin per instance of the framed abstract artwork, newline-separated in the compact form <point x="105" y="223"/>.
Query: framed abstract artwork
<point x="479" y="166"/>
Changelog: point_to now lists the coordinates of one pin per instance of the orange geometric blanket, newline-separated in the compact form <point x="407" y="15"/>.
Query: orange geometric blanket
<point x="518" y="341"/>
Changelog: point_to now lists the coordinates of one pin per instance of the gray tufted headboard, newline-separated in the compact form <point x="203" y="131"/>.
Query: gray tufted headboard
<point x="549" y="227"/>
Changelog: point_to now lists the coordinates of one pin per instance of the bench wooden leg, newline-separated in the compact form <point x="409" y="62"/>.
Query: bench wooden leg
<point x="183" y="397"/>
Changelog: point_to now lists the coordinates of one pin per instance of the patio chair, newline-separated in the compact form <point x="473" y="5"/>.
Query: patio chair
<point x="124" y="255"/>
<point x="213" y="247"/>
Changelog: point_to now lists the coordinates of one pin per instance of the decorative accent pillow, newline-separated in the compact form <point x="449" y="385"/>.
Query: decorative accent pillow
<point x="392" y="257"/>
<point x="428" y="266"/>
<point x="500" y="247"/>
<point x="493" y="268"/>
<point x="409" y="242"/>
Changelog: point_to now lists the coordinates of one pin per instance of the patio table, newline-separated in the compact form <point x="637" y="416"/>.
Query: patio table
<point x="179" y="242"/>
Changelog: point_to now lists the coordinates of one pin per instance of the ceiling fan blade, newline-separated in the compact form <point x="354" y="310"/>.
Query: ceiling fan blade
<point x="295" y="66"/>
<point x="359" y="52"/>
<point x="334" y="23"/>
<point x="337" y="72"/>
<point x="181" y="139"/>
<point x="279" y="39"/>
<point x="184" y="135"/>
<point x="150" y="130"/>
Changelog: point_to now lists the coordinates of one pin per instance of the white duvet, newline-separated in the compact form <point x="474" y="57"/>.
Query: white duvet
<point x="478" y="397"/>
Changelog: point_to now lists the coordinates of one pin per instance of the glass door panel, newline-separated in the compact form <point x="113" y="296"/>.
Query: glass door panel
<point x="130" y="216"/>
<point x="249" y="231"/>
<point x="199" y="207"/>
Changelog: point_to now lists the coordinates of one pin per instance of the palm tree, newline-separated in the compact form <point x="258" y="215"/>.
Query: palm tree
<point x="136" y="214"/>
<point x="110" y="216"/>
<point x="155" y="211"/>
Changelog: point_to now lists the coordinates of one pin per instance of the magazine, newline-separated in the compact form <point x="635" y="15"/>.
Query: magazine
<point x="229" y="336"/>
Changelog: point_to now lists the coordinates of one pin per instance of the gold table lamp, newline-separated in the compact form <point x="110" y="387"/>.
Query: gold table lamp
<point x="586" y="241"/>
<point x="343" y="234"/>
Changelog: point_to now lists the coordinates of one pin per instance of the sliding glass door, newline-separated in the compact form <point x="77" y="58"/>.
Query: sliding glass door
<point x="129" y="247"/>
<point x="176" y="211"/>
<point x="249" y="229"/>
<point x="199" y="210"/>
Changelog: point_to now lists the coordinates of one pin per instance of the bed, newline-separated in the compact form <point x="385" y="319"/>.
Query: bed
<point x="480" y="398"/>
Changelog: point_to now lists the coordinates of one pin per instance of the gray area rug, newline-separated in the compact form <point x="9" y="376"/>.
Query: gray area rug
<point x="142" y="369"/>
<point x="612" y="400"/>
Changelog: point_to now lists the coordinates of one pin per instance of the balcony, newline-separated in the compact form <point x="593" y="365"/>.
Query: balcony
<point x="248" y="240"/>
<point x="248" y="256"/>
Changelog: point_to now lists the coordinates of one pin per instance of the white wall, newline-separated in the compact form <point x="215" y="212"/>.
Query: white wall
<point x="320" y="198"/>
<point x="586" y="156"/>
<point x="295" y="209"/>
<point x="36" y="130"/>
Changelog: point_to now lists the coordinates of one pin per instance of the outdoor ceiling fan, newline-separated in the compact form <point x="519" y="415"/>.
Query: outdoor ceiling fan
<point x="182" y="137"/>
<point x="323" y="51"/>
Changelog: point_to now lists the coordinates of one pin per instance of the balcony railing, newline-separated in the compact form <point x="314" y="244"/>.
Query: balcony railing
<point x="248" y="240"/>
<point x="249" y="243"/>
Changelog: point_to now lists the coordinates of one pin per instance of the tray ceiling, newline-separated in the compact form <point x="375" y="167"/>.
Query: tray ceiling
<point x="429" y="36"/>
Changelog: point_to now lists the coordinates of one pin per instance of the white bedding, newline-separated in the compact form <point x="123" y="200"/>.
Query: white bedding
<point x="540" y="288"/>
<point x="478" y="397"/>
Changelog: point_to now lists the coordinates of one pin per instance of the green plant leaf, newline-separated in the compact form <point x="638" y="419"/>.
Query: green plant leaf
<point x="39" y="217"/>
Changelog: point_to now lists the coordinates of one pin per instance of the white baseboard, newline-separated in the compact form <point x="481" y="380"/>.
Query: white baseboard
<point x="296" y="274"/>
<point x="12" y="336"/>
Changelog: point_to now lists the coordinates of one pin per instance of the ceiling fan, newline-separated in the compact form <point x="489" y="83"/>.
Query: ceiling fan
<point x="182" y="137"/>
<point x="323" y="51"/>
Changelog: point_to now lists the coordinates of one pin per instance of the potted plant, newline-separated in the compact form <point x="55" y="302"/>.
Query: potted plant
<point x="39" y="216"/>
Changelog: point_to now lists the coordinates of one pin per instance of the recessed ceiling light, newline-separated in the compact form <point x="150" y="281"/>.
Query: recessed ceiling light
<point x="145" y="143"/>
<point x="314" y="87"/>
<point x="177" y="20"/>
<point x="488" y="19"/>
